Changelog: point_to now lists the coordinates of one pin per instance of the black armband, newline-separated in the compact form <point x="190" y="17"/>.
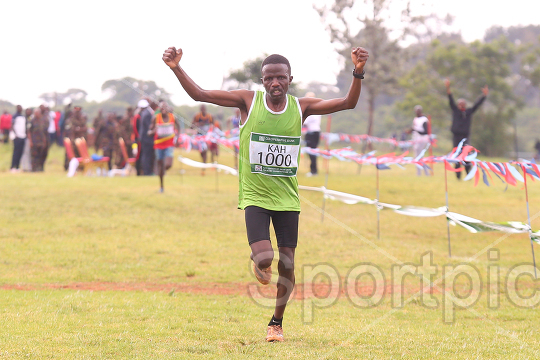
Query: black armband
<point x="358" y="76"/>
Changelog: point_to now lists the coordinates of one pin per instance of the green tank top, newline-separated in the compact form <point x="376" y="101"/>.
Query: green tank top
<point x="269" y="156"/>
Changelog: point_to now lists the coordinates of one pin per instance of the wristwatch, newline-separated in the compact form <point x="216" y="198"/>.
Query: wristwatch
<point x="358" y="76"/>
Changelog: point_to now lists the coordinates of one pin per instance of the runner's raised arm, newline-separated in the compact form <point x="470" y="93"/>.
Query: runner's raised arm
<point x="313" y="106"/>
<point x="235" y="98"/>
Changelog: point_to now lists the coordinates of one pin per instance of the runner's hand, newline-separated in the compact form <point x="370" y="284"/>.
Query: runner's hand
<point x="172" y="57"/>
<point x="359" y="57"/>
<point x="485" y="90"/>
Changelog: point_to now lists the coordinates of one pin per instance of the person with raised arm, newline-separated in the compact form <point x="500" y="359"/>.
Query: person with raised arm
<point x="462" y="118"/>
<point x="270" y="132"/>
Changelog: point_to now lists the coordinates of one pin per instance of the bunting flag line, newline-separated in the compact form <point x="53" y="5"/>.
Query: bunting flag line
<point x="364" y="138"/>
<point x="230" y="139"/>
<point x="200" y="165"/>
<point x="462" y="154"/>
<point x="471" y="224"/>
<point x="202" y="142"/>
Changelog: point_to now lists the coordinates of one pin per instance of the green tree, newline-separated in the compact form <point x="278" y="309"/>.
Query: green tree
<point x="385" y="54"/>
<point x="530" y="65"/>
<point x="367" y="23"/>
<point x="130" y="90"/>
<point x="469" y="67"/>
<point x="6" y="106"/>
<point x="250" y="75"/>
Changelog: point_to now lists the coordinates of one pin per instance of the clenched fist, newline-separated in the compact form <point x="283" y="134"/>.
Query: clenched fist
<point x="172" y="57"/>
<point x="359" y="57"/>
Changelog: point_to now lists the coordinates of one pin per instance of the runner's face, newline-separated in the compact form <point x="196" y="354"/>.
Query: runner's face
<point x="276" y="80"/>
<point x="165" y="109"/>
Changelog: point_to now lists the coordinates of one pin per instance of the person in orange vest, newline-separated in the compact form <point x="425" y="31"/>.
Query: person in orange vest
<point x="164" y="129"/>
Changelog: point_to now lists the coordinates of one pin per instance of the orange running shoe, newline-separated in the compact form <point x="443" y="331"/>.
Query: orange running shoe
<point x="263" y="275"/>
<point x="274" y="333"/>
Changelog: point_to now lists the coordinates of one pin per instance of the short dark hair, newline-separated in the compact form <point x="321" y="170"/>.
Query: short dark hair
<point x="276" y="59"/>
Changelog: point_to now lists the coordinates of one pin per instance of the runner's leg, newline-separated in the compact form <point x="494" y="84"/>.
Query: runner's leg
<point x="258" y="232"/>
<point x="286" y="279"/>
<point x="262" y="254"/>
<point x="161" y="172"/>
<point x="168" y="162"/>
<point x="286" y="228"/>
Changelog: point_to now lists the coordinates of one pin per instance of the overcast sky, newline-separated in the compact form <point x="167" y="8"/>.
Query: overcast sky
<point x="56" y="45"/>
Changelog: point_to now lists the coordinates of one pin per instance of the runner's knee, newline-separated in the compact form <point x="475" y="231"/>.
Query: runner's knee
<point x="264" y="263"/>
<point x="286" y="261"/>
<point x="262" y="255"/>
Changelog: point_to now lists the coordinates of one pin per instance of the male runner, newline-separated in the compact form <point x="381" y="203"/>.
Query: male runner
<point x="163" y="127"/>
<point x="270" y="132"/>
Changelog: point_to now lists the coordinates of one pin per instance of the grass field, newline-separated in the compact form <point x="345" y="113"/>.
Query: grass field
<point x="109" y="268"/>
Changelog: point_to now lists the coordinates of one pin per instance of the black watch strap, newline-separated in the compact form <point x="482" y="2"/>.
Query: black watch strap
<point x="358" y="76"/>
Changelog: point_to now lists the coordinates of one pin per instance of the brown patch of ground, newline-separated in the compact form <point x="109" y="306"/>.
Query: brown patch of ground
<point x="301" y="291"/>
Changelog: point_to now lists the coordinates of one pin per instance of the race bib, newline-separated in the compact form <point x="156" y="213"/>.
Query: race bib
<point x="274" y="155"/>
<point x="165" y="130"/>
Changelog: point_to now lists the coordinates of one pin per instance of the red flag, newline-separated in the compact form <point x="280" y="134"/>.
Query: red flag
<point x="508" y="177"/>
<point x="450" y="168"/>
<point x="465" y="151"/>
<point x="495" y="169"/>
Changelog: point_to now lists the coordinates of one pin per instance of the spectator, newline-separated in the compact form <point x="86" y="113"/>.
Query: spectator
<point x="125" y="131"/>
<point x="75" y="127"/>
<point x="135" y="124"/>
<point x="18" y="126"/>
<point x="62" y="125"/>
<point x="96" y="125"/>
<point x="234" y="127"/>
<point x="51" y="130"/>
<point x="461" y="119"/>
<point x="5" y="126"/>
<point x="26" y="159"/>
<point x="201" y="124"/>
<point x="38" y="138"/>
<point x="313" y="135"/>
<point x="215" y="132"/>
<point x="57" y="117"/>
<point x="107" y="137"/>
<point x="420" y="134"/>
<point x="147" y="141"/>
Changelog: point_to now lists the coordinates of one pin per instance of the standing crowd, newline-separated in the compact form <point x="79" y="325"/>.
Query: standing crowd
<point x="34" y="131"/>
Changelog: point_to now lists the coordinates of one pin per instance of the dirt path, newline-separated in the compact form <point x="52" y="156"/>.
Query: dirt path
<point x="301" y="291"/>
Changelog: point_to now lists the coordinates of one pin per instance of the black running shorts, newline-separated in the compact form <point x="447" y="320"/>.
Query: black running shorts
<point x="285" y="225"/>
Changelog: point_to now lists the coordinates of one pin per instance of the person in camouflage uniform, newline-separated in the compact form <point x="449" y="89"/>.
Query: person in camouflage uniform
<point x="38" y="137"/>
<point x="125" y="130"/>
<point x="107" y="137"/>
<point x="96" y="125"/>
<point x="75" y="127"/>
